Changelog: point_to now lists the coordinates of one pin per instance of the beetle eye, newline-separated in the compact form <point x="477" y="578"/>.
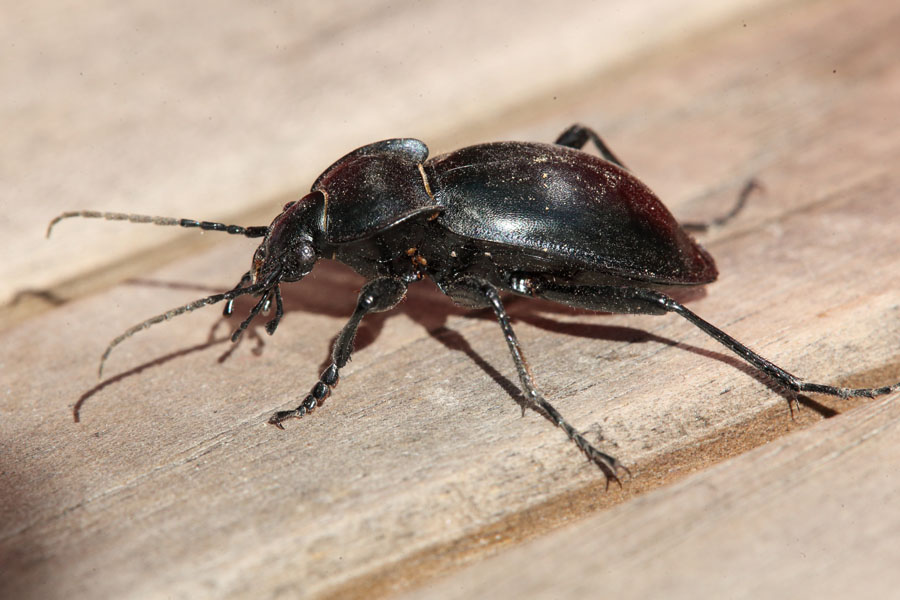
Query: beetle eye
<point x="298" y="260"/>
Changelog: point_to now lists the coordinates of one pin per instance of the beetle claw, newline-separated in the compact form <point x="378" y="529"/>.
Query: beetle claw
<point x="280" y="416"/>
<point x="608" y="464"/>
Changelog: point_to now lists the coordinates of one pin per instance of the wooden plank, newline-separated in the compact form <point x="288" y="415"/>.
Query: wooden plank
<point x="172" y="484"/>
<point x="808" y="516"/>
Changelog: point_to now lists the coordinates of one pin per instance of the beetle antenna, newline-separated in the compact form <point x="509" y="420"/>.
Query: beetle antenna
<point x="250" y="232"/>
<point x="192" y="306"/>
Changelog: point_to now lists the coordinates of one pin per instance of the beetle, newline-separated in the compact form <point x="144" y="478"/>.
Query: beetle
<point x="528" y="219"/>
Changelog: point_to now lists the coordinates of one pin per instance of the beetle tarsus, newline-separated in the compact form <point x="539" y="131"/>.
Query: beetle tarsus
<point x="307" y="406"/>
<point x="377" y="295"/>
<point x="781" y="376"/>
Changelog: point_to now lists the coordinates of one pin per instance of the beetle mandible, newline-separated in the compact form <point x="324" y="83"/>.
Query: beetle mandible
<point x="538" y="220"/>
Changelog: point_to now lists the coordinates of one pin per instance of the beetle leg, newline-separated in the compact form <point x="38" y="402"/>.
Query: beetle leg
<point x="646" y="301"/>
<point x="769" y="368"/>
<point x="468" y="289"/>
<point x="376" y="296"/>
<point x="577" y="136"/>
<point x="229" y="306"/>
<point x="749" y="187"/>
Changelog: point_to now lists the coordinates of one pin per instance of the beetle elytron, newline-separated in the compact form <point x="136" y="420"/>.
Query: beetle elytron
<point x="538" y="220"/>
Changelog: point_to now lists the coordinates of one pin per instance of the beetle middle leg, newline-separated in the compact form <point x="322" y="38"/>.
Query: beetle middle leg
<point x="577" y="136"/>
<point x="471" y="291"/>
<point x="376" y="296"/>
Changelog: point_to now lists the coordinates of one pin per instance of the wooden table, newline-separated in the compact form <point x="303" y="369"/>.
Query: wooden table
<point x="420" y="475"/>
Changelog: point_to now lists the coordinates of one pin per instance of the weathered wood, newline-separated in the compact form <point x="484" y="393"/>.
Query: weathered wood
<point x="173" y="486"/>
<point x="808" y="516"/>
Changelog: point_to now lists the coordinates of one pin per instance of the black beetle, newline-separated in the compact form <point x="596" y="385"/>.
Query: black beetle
<point x="538" y="220"/>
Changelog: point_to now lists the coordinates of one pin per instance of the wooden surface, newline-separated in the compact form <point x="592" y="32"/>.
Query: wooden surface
<point x="420" y="463"/>
<point x="811" y="516"/>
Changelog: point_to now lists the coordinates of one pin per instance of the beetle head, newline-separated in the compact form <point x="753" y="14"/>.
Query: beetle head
<point x="288" y="252"/>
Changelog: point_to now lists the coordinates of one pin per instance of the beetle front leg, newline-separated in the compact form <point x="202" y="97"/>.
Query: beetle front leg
<point x="577" y="136"/>
<point x="229" y="305"/>
<point x="471" y="291"/>
<point x="376" y="296"/>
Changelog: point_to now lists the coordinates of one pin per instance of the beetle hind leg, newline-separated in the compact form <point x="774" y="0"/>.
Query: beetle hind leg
<point x="750" y="186"/>
<point x="780" y="375"/>
<point x="475" y="292"/>
<point x="376" y="296"/>
<point x="577" y="136"/>
<point x="647" y="301"/>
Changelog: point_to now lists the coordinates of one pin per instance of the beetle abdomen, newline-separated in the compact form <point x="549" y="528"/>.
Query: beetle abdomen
<point x="567" y="205"/>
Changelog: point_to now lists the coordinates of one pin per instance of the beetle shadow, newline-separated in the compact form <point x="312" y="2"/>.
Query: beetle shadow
<point x="420" y="307"/>
<point x="160" y="360"/>
<point x="332" y="290"/>
<point x="324" y="294"/>
<point x="45" y="296"/>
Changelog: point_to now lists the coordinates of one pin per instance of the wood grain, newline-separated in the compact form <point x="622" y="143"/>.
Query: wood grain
<point x="172" y="485"/>
<point x="808" y="516"/>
